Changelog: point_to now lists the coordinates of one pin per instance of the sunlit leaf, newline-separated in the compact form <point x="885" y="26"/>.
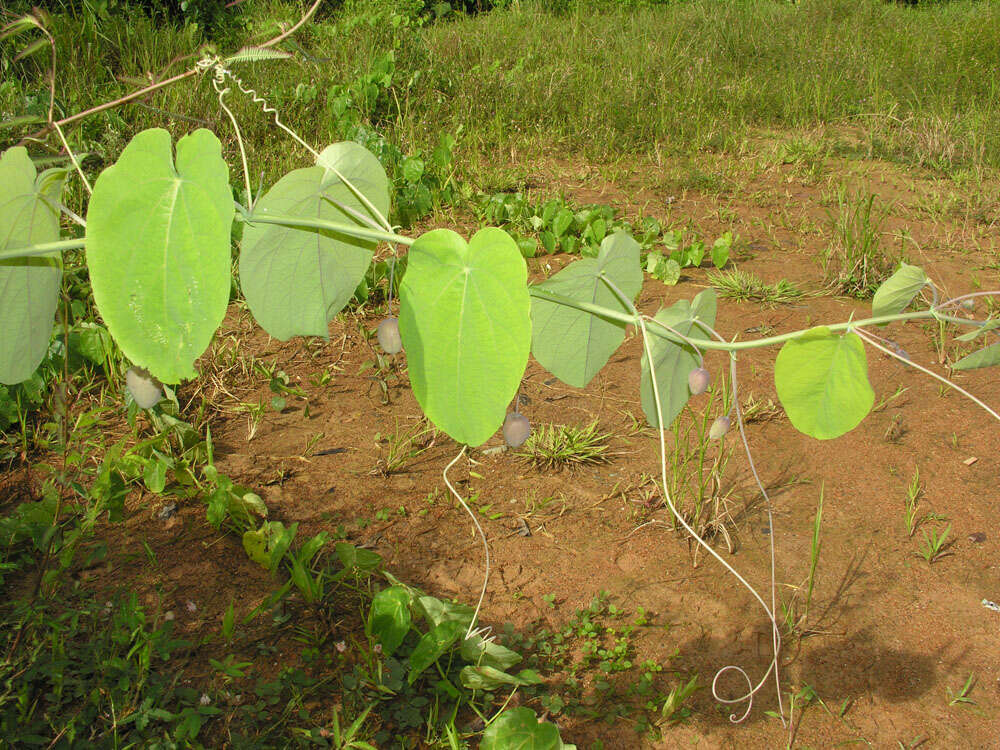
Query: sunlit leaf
<point x="897" y="292"/>
<point x="158" y="249"/>
<point x="390" y="617"/>
<point x="822" y="382"/>
<point x="466" y="329"/>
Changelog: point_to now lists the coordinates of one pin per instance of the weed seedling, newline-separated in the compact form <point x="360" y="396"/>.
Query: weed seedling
<point x="962" y="696"/>
<point x="935" y="545"/>
<point x="553" y="446"/>
<point x="744" y="286"/>
<point x="673" y="710"/>
<point x="913" y="492"/>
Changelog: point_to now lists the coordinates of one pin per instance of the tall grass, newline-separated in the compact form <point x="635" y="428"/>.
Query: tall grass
<point x="916" y="84"/>
<point x="701" y="74"/>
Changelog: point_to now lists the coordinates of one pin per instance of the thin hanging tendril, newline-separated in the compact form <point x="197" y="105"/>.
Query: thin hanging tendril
<point x="769" y="611"/>
<point x="486" y="547"/>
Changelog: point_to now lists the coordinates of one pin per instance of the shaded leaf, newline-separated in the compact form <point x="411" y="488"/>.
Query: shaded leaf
<point x="432" y="645"/>
<point x="518" y="728"/>
<point x="490" y="678"/>
<point x="572" y="344"/>
<point x="29" y="287"/>
<point x="986" y="357"/>
<point x="297" y="279"/>
<point x="672" y="362"/>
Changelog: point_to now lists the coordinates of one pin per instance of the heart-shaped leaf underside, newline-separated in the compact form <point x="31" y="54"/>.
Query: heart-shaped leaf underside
<point x="297" y="279"/>
<point x="822" y="382"/>
<point x="158" y="249"/>
<point x="897" y="292"/>
<point x="29" y="287"/>
<point x="572" y="344"/>
<point x="465" y="323"/>
<point x="986" y="357"/>
<point x="673" y="362"/>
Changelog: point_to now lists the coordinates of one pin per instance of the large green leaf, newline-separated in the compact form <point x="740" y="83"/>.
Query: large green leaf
<point x="465" y="322"/>
<point x="986" y="357"/>
<point x="158" y="249"/>
<point x="672" y="362"/>
<point x="490" y="678"/>
<point x="390" y="617"/>
<point x="822" y="382"/>
<point x="574" y="345"/>
<point x="432" y="645"/>
<point x="29" y="287"/>
<point x="519" y="729"/>
<point x="898" y="291"/>
<point x="296" y="280"/>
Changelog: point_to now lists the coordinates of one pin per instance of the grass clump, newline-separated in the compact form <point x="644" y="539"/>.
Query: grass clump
<point x="552" y="446"/>
<point x="856" y="263"/>
<point x="744" y="286"/>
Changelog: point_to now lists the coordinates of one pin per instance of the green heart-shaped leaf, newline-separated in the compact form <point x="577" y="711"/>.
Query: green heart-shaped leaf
<point x="295" y="279"/>
<point x="822" y="382"/>
<point x="574" y="345"/>
<point x="519" y="729"/>
<point x="29" y="287"/>
<point x="465" y="323"/>
<point x="432" y="645"/>
<point x="158" y="249"/>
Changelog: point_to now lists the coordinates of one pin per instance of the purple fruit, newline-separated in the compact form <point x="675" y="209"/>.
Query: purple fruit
<point x="388" y="336"/>
<point x="145" y="389"/>
<point x="698" y="380"/>
<point x="719" y="428"/>
<point x="516" y="429"/>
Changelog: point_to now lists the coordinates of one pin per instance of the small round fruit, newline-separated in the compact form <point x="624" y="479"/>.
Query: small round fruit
<point x="516" y="429"/>
<point x="388" y="336"/>
<point x="719" y="428"/>
<point x="698" y="380"/>
<point x="145" y="389"/>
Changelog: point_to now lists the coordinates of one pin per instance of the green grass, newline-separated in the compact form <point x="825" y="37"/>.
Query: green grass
<point x="911" y="84"/>
<point x="552" y="446"/>
<point x="856" y="263"/>
<point x="744" y="286"/>
<point x="704" y="74"/>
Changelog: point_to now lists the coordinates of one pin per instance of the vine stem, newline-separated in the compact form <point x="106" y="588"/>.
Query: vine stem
<point x="664" y="331"/>
<point x="334" y="226"/>
<point x="43" y="249"/>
